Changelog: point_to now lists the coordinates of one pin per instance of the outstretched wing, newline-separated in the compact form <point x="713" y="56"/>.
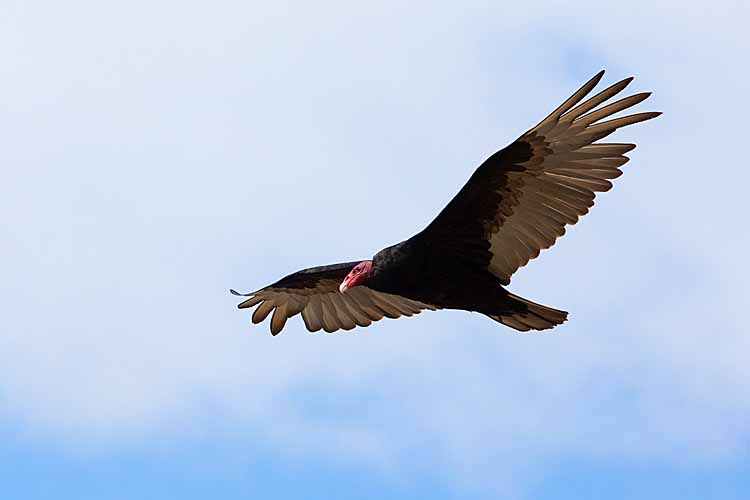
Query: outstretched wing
<point x="520" y="199"/>
<point x="314" y="292"/>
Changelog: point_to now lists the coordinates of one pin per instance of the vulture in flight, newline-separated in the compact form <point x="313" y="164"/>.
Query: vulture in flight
<point x="515" y="204"/>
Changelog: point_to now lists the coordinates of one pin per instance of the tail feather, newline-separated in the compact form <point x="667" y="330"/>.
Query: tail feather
<point x="525" y="315"/>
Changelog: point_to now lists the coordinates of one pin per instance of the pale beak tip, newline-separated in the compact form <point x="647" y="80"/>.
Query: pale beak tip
<point x="343" y="288"/>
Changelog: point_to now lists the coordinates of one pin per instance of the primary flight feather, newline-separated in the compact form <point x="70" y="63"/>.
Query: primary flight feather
<point x="516" y="204"/>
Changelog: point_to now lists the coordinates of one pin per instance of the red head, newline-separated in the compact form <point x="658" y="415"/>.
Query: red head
<point x="357" y="276"/>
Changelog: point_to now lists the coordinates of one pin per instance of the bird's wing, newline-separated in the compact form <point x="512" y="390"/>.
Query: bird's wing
<point x="314" y="292"/>
<point x="520" y="199"/>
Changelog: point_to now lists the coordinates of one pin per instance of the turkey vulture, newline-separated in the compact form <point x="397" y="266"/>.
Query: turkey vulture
<point x="516" y="204"/>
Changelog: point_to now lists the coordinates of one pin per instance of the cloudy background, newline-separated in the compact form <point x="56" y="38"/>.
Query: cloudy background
<point x="155" y="155"/>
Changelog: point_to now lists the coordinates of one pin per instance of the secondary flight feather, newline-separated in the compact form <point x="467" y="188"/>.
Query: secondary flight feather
<point x="517" y="203"/>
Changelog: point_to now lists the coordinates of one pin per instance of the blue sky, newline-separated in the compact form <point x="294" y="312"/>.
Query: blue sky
<point x="155" y="155"/>
<point x="202" y="467"/>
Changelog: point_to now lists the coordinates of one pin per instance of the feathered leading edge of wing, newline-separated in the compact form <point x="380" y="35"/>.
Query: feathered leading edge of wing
<point x="520" y="199"/>
<point x="314" y="292"/>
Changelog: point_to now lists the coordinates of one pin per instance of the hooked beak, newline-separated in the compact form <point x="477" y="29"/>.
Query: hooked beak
<point x="356" y="277"/>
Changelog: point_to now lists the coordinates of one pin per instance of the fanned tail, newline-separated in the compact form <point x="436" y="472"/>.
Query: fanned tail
<point x="527" y="315"/>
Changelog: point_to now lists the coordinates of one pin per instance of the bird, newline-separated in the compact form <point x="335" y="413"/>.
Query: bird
<point x="515" y="204"/>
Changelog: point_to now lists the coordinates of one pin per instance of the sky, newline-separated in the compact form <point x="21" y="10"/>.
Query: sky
<point x="156" y="154"/>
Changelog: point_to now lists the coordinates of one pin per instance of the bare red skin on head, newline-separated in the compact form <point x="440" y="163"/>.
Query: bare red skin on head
<point x="357" y="276"/>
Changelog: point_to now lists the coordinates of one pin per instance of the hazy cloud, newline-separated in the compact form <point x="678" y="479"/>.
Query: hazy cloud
<point x="154" y="156"/>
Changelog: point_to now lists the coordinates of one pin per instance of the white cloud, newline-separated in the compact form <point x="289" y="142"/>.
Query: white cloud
<point x="153" y="161"/>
